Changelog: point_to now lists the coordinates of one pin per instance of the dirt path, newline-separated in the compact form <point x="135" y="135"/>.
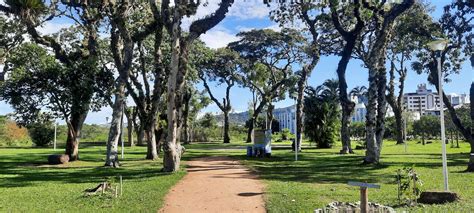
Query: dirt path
<point x="216" y="184"/>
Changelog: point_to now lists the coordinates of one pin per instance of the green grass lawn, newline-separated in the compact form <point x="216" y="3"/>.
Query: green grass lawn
<point x="28" y="185"/>
<point x="320" y="176"/>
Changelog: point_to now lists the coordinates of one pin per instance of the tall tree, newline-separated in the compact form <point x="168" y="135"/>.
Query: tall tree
<point x="322" y="113"/>
<point x="123" y="37"/>
<point x="455" y="25"/>
<point x="180" y="44"/>
<point x="349" y="34"/>
<point x="411" y="31"/>
<point x="309" y="13"/>
<point x="268" y="56"/>
<point x="146" y="85"/>
<point x="221" y="68"/>
<point x="372" y="50"/>
<point x="78" y="51"/>
<point x="428" y="125"/>
<point x="360" y="92"/>
<point x="129" y="111"/>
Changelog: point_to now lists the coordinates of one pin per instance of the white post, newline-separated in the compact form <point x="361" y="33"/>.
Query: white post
<point x="121" y="131"/>
<point x="296" y="137"/>
<point x="223" y="126"/>
<point x="121" y="186"/>
<point x="443" y="137"/>
<point x="405" y="131"/>
<point x="55" y="130"/>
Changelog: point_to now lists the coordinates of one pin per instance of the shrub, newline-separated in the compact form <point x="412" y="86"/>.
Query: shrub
<point x="409" y="185"/>
<point x="41" y="134"/>
<point x="11" y="134"/>
<point x="285" y="134"/>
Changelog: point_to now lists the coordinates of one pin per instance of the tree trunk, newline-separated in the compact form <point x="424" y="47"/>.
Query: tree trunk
<point x="140" y="134"/>
<point x="130" y="134"/>
<point x="269" y="117"/>
<point x="160" y="137"/>
<point x="457" y="140"/>
<point x="151" y="153"/>
<point x="171" y="148"/>
<point x="378" y="82"/>
<point x="226" y="127"/>
<point x="381" y="103"/>
<point x="138" y="128"/>
<point x="250" y="130"/>
<point x="346" y="104"/>
<point x="372" y="149"/>
<point x="347" y="109"/>
<point x="111" y="159"/>
<point x="399" y="125"/>
<point x="74" y="133"/>
<point x="299" y="110"/>
<point x="423" y="138"/>
<point x="187" y="98"/>
<point x="130" y="126"/>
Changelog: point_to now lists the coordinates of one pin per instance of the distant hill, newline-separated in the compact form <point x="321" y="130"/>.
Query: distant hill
<point x="235" y="118"/>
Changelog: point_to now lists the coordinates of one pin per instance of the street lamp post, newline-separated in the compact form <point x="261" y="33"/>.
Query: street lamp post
<point x="438" y="46"/>
<point x="55" y="133"/>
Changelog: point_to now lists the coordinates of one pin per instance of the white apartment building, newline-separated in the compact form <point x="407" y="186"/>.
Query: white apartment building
<point x="457" y="100"/>
<point x="422" y="100"/>
<point x="286" y="117"/>
<point x="359" y="113"/>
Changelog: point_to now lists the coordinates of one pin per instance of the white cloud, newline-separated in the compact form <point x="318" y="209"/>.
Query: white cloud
<point x="242" y="9"/>
<point x="217" y="38"/>
<point x="249" y="9"/>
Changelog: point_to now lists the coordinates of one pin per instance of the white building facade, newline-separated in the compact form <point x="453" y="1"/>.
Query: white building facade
<point x="458" y="100"/>
<point x="286" y="117"/>
<point x="423" y="101"/>
<point x="359" y="113"/>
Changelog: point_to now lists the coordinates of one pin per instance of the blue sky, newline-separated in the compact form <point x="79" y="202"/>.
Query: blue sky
<point x="251" y="14"/>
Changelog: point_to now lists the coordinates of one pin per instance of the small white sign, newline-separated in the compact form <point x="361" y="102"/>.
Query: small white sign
<point x="366" y="185"/>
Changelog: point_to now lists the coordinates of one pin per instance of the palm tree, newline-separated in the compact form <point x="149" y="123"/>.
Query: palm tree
<point x="360" y="92"/>
<point x="329" y="89"/>
<point x="322" y="113"/>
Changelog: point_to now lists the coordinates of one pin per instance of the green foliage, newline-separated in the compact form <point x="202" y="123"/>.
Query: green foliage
<point x="41" y="133"/>
<point x="208" y="121"/>
<point x="463" y="114"/>
<point x="264" y="69"/>
<point x="206" y="129"/>
<point x="322" y="114"/>
<point x="390" y="128"/>
<point x="409" y="185"/>
<point x="11" y="134"/>
<point x="285" y="134"/>
<point x="427" y="126"/>
<point x="259" y="123"/>
<point x="38" y="82"/>
<point x="358" y="130"/>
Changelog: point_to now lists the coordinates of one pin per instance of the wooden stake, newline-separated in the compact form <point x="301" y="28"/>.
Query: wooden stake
<point x="364" y="201"/>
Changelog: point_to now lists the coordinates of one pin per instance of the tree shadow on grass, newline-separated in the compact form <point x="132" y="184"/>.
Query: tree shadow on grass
<point x="326" y="167"/>
<point x="20" y="178"/>
<point x="26" y="169"/>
